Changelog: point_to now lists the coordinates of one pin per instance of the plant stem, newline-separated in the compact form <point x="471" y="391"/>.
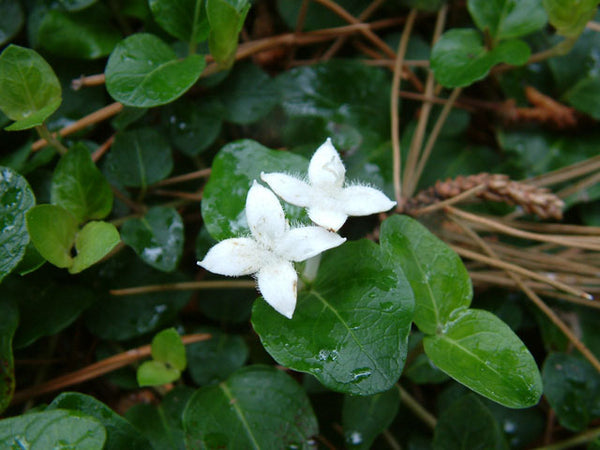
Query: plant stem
<point x="49" y="138"/>
<point x="185" y="286"/>
<point x="426" y="417"/>
<point x="582" y="438"/>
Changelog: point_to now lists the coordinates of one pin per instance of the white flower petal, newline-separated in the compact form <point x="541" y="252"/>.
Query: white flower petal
<point x="277" y="284"/>
<point x="299" y="244"/>
<point x="264" y="215"/>
<point x="234" y="257"/>
<point x="291" y="189"/>
<point x="364" y="200"/>
<point x="326" y="168"/>
<point x="328" y="218"/>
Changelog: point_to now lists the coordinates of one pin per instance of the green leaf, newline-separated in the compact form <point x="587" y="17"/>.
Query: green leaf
<point x="257" y="407"/>
<point x="459" y="57"/>
<point x="60" y="429"/>
<point x="119" y="432"/>
<point x="87" y="34"/>
<point x="436" y="274"/>
<point x="423" y="371"/>
<point x="156" y="373"/>
<point x="30" y="90"/>
<point x="16" y="198"/>
<point x="506" y="19"/>
<point x="168" y="348"/>
<point x="480" y="351"/>
<point x="226" y="19"/>
<point x="76" y="5"/>
<point x="157" y="237"/>
<point x="8" y="326"/>
<point x="364" y="418"/>
<point x="11" y="20"/>
<point x="569" y="17"/>
<point x="143" y="71"/>
<point x="317" y="16"/>
<point x="79" y="187"/>
<point x="468" y="424"/>
<point x="572" y="387"/>
<point x="139" y="158"/>
<point x="234" y="169"/>
<point x="184" y="19"/>
<point x="93" y="242"/>
<point x="214" y="360"/>
<point x="350" y="328"/>
<point x="52" y="230"/>
<point x="585" y="96"/>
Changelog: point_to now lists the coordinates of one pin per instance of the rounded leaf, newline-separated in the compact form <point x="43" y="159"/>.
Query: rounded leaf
<point x="505" y="19"/>
<point x="184" y="19"/>
<point x="168" y="348"/>
<point x="11" y="20"/>
<point x="93" y="242"/>
<point x="156" y="373"/>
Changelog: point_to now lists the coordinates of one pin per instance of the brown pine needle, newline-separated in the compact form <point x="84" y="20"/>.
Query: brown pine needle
<point x="203" y="173"/>
<point x="185" y="286"/>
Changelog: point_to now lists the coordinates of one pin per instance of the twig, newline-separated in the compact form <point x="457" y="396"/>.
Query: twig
<point x="185" y="286"/>
<point x="426" y="417"/>
<point x="100" y="151"/>
<point x="573" y="442"/>
<point x="90" y="80"/>
<point x="451" y="201"/>
<point x="191" y="196"/>
<point x="203" y="173"/>
<point x="595" y="26"/>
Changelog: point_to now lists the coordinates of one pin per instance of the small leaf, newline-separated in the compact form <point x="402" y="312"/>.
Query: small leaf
<point x="459" y="57"/>
<point x="505" y="19"/>
<point x="16" y="198"/>
<point x="79" y="187"/>
<point x="480" y="351"/>
<point x="156" y="373"/>
<point x="93" y="243"/>
<point x="585" y="96"/>
<point x="257" y="407"/>
<point x="8" y="326"/>
<point x="226" y="19"/>
<point x="157" y="237"/>
<point x="436" y="274"/>
<point x="168" y="348"/>
<point x="52" y="429"/>
<point x="569" y="17"/>
<point x="11" y="20"/>
<point x="350" y="328"/>
<point x="30" y="90"/>
<point x="184" y="19"/>
<point x="143" y="71"/>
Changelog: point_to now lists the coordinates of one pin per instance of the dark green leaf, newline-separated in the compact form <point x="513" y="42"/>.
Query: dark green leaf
<point x="79" y="187"/>
<point x="234" y="169"/>
<point x="157" y="237"/>
<point x="11" y="19"/>
<point x="120" y="434"/>
<point x="350" y="328"/>
<point x="30" y="90"/>
<point x="569" y="17"/>
<point x="156" y="373"/>
<point x="139" y="157"/>
<point x="317" y="16"/>
<point x="520" y="426"/>
<point x="257" y="407"/>
<point x="76" y="5"/>
<point x="184" y="19"/>
<point x="16" y="198"/>
<point x="505" y="19"/>
<point x="585" y="96"/>
<point x="8" y="325"/>
<point x="168" y="348"/>
<point x="436" y="274"/>
<point x="364" y="418"/>
<point x="459" y="57"/>
<point x="572" y="387"/>
<point x="143" y="71"/>
<point x="93" y="242"/>
<point x="58" y="429"/>
<point x="423" y="371"/>
<point x="226" y="20"/>
<point x="480" y="351"/>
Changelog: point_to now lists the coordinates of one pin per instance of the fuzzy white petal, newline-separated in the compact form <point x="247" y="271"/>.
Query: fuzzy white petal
<point x="265" y="216"/>
<point x="331" y="219"/>
<point x="326" y="168"/>
<point x="291" y="189"/>
<point x="299" y="244"/>
<point x="364" y="200"/>
<point x="278" y="284"/>
<point x="234" y="257"/>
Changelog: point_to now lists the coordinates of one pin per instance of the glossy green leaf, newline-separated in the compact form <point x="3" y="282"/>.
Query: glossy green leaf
<point x="226" y="19"/>
<point x="156" y="373"/>
<point x="436" y="274"/>
<point x="459" y="57"/>
<point x="30" y="90"/>
<point x="350" y="327"/>
<point x="585" y="96"/>
<point x="79" y="187"/>
<point x="468" y="424"/>
<point x="119" y="433"/>
<point x="8" y="326"/>
<point x="157" y="237"/>
<point x="168" y="348"/>
<point x="11" y="19"/>
<point x="234" y="169"/>
<point x="93" y="242"/>
<point x="87" y="34"/>
<point x="364" y="418"/>
<point x="60" y="429"/>
<point x="572" y="387"/>
<point x="213" y="360"/>
<point x="521" y="427"/>
<point x="143" y="71"/>
<point x="480" y="351"/>
<point x="505" y="19"/>
<point x="16" y="198"/>
<point x="569" y="17"/>
<point x="257" y="407"/>
<point x="52" y="230"/>
<point x="184" y="19"/>
<point x="139" y="157"/>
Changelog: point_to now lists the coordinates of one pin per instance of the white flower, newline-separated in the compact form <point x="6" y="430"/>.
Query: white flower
<point x="328" y="202"/>
<point x="270" y="250"/>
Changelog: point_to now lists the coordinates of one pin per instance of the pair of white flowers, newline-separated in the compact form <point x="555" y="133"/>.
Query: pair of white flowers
<point x="272" y="248"/>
